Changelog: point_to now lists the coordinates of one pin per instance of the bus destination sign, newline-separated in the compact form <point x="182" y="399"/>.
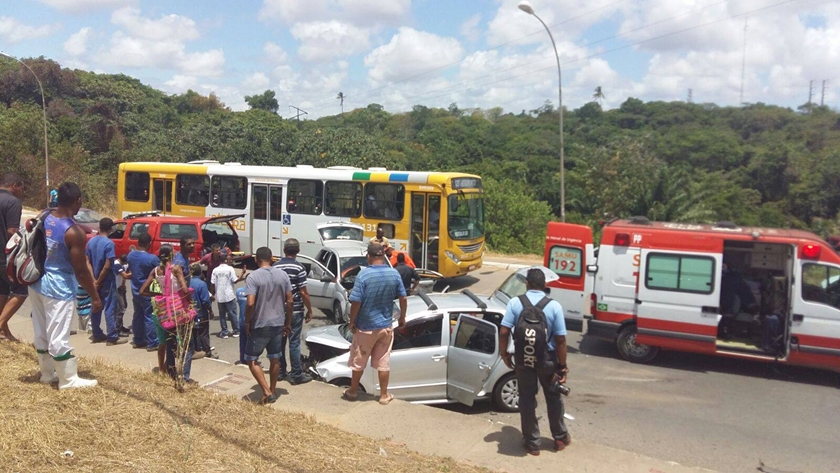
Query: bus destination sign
<point x="466" y="183"/>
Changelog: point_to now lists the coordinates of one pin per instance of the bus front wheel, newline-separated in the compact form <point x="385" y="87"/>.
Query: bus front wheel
<point x="633" y="351"/>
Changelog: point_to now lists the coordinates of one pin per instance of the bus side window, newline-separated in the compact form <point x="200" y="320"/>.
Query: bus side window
<point x="229" y="192"/>
<point x="192" y="189"/>
<point x="386" y="201"/>
<point x="137" y="186"/>
<point x="305" y="196"/>
<point x="343" y="199"/>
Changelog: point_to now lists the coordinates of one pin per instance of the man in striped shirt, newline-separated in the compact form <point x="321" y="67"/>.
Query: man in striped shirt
<point x="297" y="275"/>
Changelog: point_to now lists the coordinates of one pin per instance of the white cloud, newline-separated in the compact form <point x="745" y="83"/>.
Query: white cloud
<point x="167" y="28"/>
<point x="320" y="41"/>
<point x="13" y="31"/>
<point x="76" y="44"/>
<point x="145" y="42"/>
<point x="255" y="82"/>
<point x="470" y="30"/>
<point x="181" y="83"/>
<point x="362" y="13"/>
<point x="567" y="20"/>
<point x="411" y="52"/>
<point x="274" y="53"/>
<point x="84" y="6"/>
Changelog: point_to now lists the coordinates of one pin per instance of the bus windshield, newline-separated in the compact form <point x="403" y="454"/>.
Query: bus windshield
<point x="466" y="216"/>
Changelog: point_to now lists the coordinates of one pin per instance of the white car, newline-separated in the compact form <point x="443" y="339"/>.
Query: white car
<point x="333" y="271"/>
<point x="447" y="352"/>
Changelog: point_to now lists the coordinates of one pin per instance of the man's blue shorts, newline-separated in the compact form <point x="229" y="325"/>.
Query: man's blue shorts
<point x="264" y="338"/>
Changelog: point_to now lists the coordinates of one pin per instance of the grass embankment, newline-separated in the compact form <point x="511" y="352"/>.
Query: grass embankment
<point x="135" y="421"/>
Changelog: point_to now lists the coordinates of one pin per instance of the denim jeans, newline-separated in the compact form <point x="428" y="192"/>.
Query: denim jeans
<point x="528" y="379"/>
<point x="142" y="325"/>
<point x="229" y="310"/>
<point x="243" y="338"/>
<point x="294" y="347"/>
<point x="171" y="342"/>
<point x="108" y="295"/>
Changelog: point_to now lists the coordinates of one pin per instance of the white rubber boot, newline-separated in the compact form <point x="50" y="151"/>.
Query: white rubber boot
<point x="47" y="365"/>
<point x="68" y="376"/>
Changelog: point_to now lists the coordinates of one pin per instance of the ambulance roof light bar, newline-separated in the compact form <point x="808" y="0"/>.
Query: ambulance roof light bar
<point x="622" y="239"/>
<point x="811" y="251"/>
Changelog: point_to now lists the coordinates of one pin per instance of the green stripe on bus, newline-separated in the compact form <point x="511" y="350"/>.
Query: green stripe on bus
<point x="361" y="176"/>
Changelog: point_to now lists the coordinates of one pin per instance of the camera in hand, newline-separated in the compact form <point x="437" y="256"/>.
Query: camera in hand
<point x="557" y="388"/>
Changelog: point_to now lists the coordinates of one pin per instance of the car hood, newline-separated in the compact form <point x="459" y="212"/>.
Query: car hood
<point x="329" y="336"/>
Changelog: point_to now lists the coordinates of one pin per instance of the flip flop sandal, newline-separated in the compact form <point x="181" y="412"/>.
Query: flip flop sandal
<point x="346" y="395"/>
<point x="270" y="399"/>
<point x="387" y="400"/>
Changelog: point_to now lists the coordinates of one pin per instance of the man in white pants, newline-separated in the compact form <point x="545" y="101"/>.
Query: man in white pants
<point x="53" y="297"/>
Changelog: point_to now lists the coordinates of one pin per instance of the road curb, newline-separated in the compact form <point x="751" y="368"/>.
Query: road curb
<point x="503" y="265"/>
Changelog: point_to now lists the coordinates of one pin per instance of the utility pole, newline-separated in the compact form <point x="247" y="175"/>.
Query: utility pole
<point x="743" y="62"/>
<point x="810" y="95"/>
<point x="822" y="97"/>
<point x="690" y="96"/>
<point x="300" y="112"/>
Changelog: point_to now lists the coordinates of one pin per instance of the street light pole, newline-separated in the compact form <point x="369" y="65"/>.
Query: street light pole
<point x="527" y="8"/>
<point x="44" y="107"/>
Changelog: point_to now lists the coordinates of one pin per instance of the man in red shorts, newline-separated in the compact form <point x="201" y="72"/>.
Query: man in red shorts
<point x="371" y="321"/>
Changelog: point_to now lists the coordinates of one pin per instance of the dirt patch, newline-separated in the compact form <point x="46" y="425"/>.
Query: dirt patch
<point x="136" y="421"/>
<point x="514" y="258"/>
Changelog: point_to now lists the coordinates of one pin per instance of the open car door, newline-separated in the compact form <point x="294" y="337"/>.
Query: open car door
<point x="320" y="282"/>
<point x="428" y="279"/>
<point x="473" y="351"/>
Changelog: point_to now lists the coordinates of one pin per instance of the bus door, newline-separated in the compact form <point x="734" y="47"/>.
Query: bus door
<point x="267" y="217"/>
<point x="425" y="230"/>
<point x="162" y="195"/>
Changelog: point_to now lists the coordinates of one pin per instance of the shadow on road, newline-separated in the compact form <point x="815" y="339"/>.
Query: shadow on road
<point x="699" y="363"/>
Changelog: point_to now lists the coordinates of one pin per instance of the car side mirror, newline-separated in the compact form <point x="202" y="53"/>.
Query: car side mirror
<point x="326" y="278"/>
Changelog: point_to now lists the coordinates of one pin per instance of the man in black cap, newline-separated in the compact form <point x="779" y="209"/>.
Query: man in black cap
<point x="297" y="276"/>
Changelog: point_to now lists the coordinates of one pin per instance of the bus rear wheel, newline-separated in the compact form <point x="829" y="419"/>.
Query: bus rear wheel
<point x="633" y="351"/>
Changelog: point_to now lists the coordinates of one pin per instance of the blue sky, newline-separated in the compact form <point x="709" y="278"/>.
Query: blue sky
<point x="478" y="53"/>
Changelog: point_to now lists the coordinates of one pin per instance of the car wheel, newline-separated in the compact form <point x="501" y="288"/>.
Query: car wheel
<point x="344" y="383"/>
<point x="506" y="393"/>
<point x="632" y="351"/>
<point x="338" y="313"/>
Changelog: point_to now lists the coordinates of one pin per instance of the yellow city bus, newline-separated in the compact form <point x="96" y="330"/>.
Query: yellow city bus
<point x="437" y="217"/>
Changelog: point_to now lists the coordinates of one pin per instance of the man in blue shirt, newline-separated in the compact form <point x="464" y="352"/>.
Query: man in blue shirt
<point x="182" y="258"/>
<point x="100" y="255"/>
<point x="553" y="369"/>
<point x="371" y="318"/>
<point x="142" y="264"/>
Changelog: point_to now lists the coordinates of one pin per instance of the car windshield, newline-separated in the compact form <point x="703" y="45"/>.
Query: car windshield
<point x="514" y="286"/>
<point x="341" y="233"/>
<point x="350" y="262"/>
<point x="466" y="216"/>
<point x="87" y="216"/>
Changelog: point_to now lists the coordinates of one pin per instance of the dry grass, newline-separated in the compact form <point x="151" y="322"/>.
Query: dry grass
<point x="135" y="421"/>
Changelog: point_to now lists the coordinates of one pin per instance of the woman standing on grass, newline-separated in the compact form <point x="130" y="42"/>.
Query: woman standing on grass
<point x="167" y="339"/>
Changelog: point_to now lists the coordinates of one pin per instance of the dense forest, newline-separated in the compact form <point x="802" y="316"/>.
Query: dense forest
<point x="754" y="165"/>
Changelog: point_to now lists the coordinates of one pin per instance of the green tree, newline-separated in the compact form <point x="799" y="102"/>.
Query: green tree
<point x="265" y="101"/>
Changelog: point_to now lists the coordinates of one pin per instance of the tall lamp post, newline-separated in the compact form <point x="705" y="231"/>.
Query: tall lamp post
<point x="44" y="107"/>
<point x="527" y="8"/>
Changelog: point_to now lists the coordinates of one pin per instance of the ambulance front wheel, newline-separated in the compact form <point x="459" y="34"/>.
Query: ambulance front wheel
<point x="632" y="351"/>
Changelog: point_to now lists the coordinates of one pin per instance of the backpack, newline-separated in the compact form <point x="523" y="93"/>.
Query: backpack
<point x="26" y="252"/>
<point x="530" y="336"/>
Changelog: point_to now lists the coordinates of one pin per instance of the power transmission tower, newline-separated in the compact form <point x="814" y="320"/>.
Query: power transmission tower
<point x="690" y="96"/>
<point x="810" y="95"/>
<point x="743" y="62"/>
<point x="822" y="97"/>
<point x="299" y="113"/>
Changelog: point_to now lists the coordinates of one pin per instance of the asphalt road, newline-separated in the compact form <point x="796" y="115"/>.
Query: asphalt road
<point x="701" y="411"/>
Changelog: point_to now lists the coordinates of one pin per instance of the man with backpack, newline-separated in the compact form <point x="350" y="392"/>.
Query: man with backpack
<point x="52" y="297"/>
<point x="539" y="333"/>
<point x="12" y="295"/>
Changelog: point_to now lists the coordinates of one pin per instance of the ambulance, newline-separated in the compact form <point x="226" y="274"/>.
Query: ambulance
<point x="742" y="292"/>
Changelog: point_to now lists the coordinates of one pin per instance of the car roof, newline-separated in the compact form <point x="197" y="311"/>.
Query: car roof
<point x="346" y="246"/>
<point x="451" y="302"/>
